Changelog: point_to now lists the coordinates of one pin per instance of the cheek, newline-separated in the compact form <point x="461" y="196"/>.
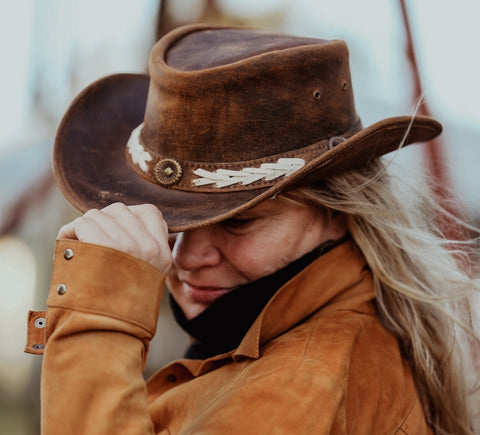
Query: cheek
<point x="313" y="233"/>
<point x="261" y="257"/>
<point x="172" y="282"/>
<point x="283" y="245"/>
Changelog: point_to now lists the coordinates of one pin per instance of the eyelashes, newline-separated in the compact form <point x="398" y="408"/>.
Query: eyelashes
<point x="237" y="223"/>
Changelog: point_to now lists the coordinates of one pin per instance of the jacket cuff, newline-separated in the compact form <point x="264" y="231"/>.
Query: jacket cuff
<point x="36" y="338"/>
<point x="104" y="281"/>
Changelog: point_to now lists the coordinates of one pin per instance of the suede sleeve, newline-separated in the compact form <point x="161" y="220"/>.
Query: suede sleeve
<point x="102" y="312"/>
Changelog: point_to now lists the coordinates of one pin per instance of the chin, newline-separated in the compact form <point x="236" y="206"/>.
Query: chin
<point x="191" y="312"/>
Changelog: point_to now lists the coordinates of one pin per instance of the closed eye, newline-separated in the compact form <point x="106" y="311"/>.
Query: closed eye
<point x="236" y="223"/>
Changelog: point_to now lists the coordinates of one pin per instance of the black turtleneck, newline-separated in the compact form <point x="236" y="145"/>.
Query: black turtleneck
<point x="222" y="325"/>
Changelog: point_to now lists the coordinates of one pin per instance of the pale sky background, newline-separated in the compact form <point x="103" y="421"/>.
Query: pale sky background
<point x="51" y="49"/>
<point x="44" y="41"/>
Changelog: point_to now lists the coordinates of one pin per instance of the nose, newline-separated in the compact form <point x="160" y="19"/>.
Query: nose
<point x="195" y="249"/>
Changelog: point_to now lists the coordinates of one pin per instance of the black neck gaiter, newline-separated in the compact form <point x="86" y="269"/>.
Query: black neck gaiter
<point x="223" y="324"/>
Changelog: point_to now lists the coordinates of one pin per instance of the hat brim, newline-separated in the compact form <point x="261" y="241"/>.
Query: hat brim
<point x="92" y="171"/>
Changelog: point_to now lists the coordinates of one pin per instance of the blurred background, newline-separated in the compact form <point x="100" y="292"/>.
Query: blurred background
<point x="51" y="49"/>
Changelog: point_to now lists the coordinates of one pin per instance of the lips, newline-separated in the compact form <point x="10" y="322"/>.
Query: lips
<point x="205" y="295"/>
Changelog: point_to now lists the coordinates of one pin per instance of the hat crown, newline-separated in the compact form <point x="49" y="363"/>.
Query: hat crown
<point x="231" y="95"/>
<point x="230" y="118"/>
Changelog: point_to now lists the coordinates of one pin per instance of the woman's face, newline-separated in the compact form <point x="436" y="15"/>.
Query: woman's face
<point x="211" y="261"/>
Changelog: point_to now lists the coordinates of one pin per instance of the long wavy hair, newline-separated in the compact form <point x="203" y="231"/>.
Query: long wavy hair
<point x="424" y="282"/>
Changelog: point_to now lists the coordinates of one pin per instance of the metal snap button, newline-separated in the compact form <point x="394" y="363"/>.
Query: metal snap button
<point x="61" y="289"/>
<point x="172" y="378"/>
<point x="38" y="346"/>
<point x="168" y="172"/>
<point x="68" y="254"/>
<point x="40" y="323"/>
<point x="334" y="141"/>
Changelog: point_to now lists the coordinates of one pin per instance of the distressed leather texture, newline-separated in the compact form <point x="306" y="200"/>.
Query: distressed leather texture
<point x="219" y="98"/>
<point x="315" y="361"/>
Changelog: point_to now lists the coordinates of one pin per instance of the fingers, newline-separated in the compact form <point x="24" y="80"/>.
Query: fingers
<point x="152" y="219"/>
<point x="85" y="228"/>
<point x="147" y="228"/>
<point x="68" y="231"/>
<point x="140" y="231"/>
<point x="88" y="228"/>
<point x="98" y="227"/>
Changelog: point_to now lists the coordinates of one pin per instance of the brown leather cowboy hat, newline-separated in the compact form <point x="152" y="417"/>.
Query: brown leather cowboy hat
<point x="227" y="118"/>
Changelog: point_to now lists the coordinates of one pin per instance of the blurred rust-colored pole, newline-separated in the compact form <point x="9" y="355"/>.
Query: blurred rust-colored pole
<point x="435" y="160"/>
<point x="436" y="166"/>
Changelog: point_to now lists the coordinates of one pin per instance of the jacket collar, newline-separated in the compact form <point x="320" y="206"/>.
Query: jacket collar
<point x="338" y="280"/>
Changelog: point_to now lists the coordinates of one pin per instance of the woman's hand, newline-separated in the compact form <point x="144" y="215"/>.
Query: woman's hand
<point x="137" y="230"/>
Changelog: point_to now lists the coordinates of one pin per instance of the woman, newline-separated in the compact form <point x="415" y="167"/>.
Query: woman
<point x="317" y="299"/>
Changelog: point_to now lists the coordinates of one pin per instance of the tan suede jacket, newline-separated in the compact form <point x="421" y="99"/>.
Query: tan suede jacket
<point x="316" y="360"/>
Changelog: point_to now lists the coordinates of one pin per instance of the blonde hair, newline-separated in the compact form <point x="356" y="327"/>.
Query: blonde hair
<point x="423" y="282"/>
